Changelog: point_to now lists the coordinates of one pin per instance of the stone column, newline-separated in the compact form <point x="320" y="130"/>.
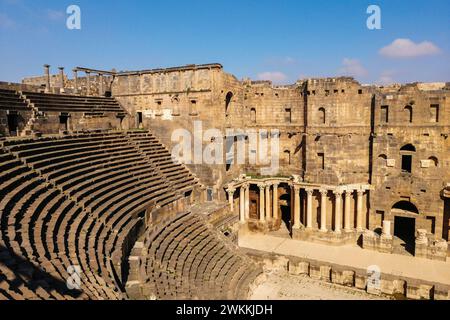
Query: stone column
<point x="61" y="78"/>
<point x="247" y="201"/>
<point x="348" y="198"/>
<point x="275" y="202"/>
<point x="267" y="204"/>
<point x="323" y="210"/>
<point x="309" y="215"/>
<point x="262" y="212"/>
<point x="75" y="77"/>
<point x="231" y="198"/>
<point x="338" y="218"/>
<point x="387" y="229"/>
<point x="359" y="211"/>
<point x="101" y="90"/>
<point x="296" y="190"/>
<point x="47" y="77"/>
<point x="242" y="204"/>
<point x="88" y="83"/>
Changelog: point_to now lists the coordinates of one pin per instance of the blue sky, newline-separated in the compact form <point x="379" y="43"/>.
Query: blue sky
<point x="282" y="40"/>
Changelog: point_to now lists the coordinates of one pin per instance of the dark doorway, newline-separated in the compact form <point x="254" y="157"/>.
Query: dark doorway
<point x="285" y="206"/>
<point x="405" y="230"/>
<point x="254" y="202"/>
<point x="139" y="120"/>
<point x="13" y="124"/>
<point x="63" y="121"/>
<point x="407" y="163"/>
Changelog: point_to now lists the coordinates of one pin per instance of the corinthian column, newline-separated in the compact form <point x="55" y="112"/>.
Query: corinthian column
<point x="75" y="78"/>
<point x="268" y="208"/>
<point x="275" y="202"/>
<point x="359" y="211"/>
<point x="338" y="219"/>
<point x="231" y="198"/>
<point x="47" y="77"/>
<point x="296" y="190"/>
<point x="323" y="210"/>
<point x="88" y="83"/>
<point x="247" y="200"/>
<point x="101" y="83"/>
<point x="262" y="212"/>
<point x="348" y="198"/>
<point x="309" y="215"/>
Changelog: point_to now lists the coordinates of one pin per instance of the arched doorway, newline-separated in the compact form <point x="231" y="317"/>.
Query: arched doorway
<point x="405" y="214"/>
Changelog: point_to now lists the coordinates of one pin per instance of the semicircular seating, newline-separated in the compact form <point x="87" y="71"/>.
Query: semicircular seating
<point x="186" y="258"/>
<point x="78" y="201"/>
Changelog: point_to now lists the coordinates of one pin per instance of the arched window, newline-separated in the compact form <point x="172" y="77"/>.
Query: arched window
<point x="322" y="116"/>
<point x="409" y="114"/>
<point x="434" y="161"/>
<point x="407" y="152"/>
<point x="253" y="115"/>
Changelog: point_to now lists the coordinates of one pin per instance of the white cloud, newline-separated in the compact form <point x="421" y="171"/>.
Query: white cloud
<point x="405" y="48"/>
<point x="275" y="77"/>
<point x="6" y="22"/>
<point x="353" y="67"/>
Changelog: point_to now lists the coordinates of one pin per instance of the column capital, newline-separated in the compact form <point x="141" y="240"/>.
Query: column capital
<point x="261" y="186"/>
<point x="46" y="66"/>
<point x="349" y="192"/>
<point x="323" y="192"/>
<point x="338" y="192"/>
<point x="296" y="187"/>
<point x="309" y="191"/>
<point x="231" y="190"/>
<point x="61" y="68"/>
<point x="361" y="192"/>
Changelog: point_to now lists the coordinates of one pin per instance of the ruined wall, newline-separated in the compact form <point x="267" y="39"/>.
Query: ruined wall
<point x="406" y="119"/>
<point x="277" y="108"/>
<point x="172" y="100"/>
<point x="338" y="122"/>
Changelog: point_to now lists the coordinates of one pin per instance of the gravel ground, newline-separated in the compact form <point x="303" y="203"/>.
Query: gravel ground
<point x="282" y="286"/>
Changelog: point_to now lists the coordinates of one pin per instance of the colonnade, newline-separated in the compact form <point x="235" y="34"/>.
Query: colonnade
<point x="75" y="71"/>
<point x="343" y="197"/>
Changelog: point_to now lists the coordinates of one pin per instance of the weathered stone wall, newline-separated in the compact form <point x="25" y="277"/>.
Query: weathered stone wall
<point x="421" y="132"/>
<point x="332" y="131"/>
<point x="338" y="124"/>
